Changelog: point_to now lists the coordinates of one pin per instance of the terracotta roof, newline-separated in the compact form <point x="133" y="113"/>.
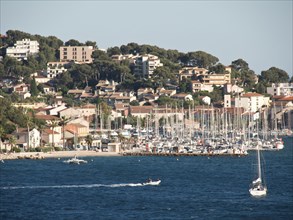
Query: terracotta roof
<point x="141" y="109"/>
<point x="47" y="117"/>
<point x="49" y="131"/>
<point x="287" y="98"/>
<point x="251" y="94"/>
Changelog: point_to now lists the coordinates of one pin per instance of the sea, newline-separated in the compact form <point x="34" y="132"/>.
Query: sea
<point x="197" y="187"/>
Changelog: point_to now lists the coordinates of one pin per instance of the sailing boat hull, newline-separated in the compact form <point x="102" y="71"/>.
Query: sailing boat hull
<point x="258" y="192"/>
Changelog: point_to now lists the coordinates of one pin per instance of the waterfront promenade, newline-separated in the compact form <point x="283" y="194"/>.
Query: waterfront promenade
<point x="55" y="154"/>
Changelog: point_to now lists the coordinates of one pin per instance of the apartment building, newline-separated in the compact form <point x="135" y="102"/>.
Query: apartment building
<point x="22" y="49"/>
<point x="216" y="79"/>
<point x="79" y="54"/>
<point x="281" y="89"/>
<point x="189" y="72"/>
<point x="54" y="69"/>
<point x="146" y="64"/>
<point x="252" y="102"/>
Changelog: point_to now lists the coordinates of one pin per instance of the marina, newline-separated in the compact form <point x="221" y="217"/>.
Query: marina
<point x="111" y="186"/>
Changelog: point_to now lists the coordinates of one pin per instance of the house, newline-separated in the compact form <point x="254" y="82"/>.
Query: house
<point x="27" y="138"/>
<point x="122" y="108"/>
<point x="69" y="113"/>
<point x="49" y="89"/>
<point x="205" y="99"/>
<point x="20" y="88"/>
<point x="197" y="86"/>
<point x="182" y="96"/>
<point x="87" y="110"/>
<point x="282" y="111"/>
<point x="229" y="88"/>
<point x="41" y="79"/>
<point x="140" y="111"/>
<point x="51" y="137"/>
<point x="114" y="147"/>
<point x="117" y="97"/>
<point x="56" y="110"/>
<point x="76" y="92"/>
<point x="166" y="92"/>
<point x="143" y="92"/>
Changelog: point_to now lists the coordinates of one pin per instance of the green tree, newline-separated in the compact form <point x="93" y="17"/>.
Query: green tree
<point x="274" y="75"/>
<point x="113" y="51"/>
<point x="162" y="76"/>
<point x="246" y="77"/>
<point x="33" y="87"/>
<point x="73" y="42"/>
<point x="53" y="125"/>
<point x="91" y="43"/>
<point x="134" y="103"/>
<point x="89" y="141"/>
<point x="64" y="121"/>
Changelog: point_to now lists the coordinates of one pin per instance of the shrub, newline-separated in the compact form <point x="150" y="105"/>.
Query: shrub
<point x="38" y="149"/>
<point x="15" y="149"/>
<point x="47" y="149"/>
<point x="57" y="148"/>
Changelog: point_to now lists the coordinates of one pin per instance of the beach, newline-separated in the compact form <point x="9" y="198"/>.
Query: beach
<point x="55" y="154"/>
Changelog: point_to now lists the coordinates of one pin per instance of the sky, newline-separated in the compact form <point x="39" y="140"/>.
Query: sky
<point x="259" y="32"/>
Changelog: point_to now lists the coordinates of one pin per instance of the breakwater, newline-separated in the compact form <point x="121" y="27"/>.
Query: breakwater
<point x="184" y="154"/>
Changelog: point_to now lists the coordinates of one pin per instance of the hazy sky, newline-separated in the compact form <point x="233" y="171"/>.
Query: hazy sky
<point x="260" y="32"/>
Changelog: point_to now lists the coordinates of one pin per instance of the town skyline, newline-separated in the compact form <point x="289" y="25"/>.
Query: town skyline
<point x="262" y="37"/>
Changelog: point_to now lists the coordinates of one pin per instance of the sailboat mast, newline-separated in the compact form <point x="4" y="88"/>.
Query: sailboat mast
<point x="258" y="155"/>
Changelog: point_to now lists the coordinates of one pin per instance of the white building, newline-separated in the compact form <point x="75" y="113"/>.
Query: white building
<point x="146" y="64"/>
<point x="252" y="102"/>
<point x="22" y="49"/>
<point x="197" y="86"/>
<point x="54" y="69"/>
<point x="285" y="89"/>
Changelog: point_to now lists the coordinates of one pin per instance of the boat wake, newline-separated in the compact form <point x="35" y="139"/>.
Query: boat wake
<point x="73" y="186"/>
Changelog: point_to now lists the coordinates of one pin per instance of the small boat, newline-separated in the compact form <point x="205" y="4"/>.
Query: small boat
<point x="258" y="187"/>
<point x="74" y="160"/>
<point x="152" y="182"/>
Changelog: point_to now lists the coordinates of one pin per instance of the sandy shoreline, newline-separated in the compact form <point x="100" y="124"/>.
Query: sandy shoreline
<point x="56" y="154"/>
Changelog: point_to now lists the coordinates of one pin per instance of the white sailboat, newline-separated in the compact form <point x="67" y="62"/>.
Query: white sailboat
<point x="258" y="187"/>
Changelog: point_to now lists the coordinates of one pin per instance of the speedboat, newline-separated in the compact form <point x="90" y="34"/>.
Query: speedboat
<point x="152" y="182"/>
<point x="74" y="160"/>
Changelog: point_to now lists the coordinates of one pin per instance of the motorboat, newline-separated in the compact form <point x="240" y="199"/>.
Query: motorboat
<point x="152" y="182"/>
<point x="75" y="160"/>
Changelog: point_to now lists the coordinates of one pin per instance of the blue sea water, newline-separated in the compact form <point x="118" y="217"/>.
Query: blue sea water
<point x="108" y="188"/>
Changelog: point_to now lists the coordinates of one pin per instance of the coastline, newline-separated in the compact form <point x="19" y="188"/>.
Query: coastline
<point x="55" y="154"/>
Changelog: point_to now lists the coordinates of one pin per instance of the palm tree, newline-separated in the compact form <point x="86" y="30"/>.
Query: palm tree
<point x="12" y="141"/>
<point x="53" y="124"/>
<point x="89" y="141"/>
<point x="2" y="137"/>
<point x="62" y="123"/>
